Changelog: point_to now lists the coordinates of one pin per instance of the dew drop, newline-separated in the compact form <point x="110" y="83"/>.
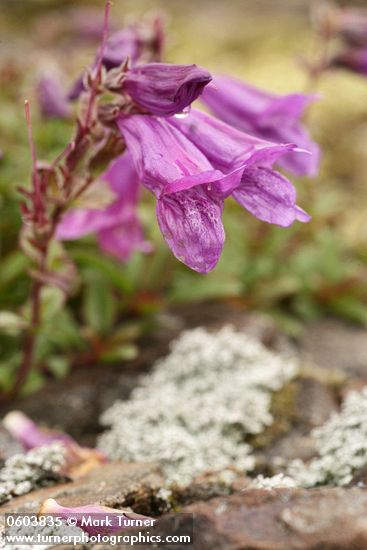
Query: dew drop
<point x="184" y="113"/>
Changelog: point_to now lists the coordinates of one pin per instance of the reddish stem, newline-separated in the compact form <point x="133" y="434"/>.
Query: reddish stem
<point x="40" y="215"/>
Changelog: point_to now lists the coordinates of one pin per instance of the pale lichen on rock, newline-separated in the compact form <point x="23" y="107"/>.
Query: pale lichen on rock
<point x="279" y="481"/>
<point x="23" y="473"/>
<point x="193" y="412"/>
<point x="341" y="444"/>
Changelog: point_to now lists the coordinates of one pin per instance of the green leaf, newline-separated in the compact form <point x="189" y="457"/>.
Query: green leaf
<point x="52" y="302"/>
<point x="109" y="268"/>
<point x="11" y="323"/>
<point x="59" y="366"/>
<point x="14" y="265"/>
<point x="350" y="307"/>
<point x="120" y="353"/>
<point x="99" y="306"/>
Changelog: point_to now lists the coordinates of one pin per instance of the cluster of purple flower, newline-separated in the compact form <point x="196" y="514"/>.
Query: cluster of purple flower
<point x="192" y="161"/>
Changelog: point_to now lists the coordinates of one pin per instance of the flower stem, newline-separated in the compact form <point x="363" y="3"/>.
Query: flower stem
<point x="45" y="218"/>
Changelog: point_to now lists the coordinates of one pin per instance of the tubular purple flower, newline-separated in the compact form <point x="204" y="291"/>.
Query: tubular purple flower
<point x="190" y="221"/>
<point x="52" y="100"/>
<point x="190" y="187"/>
<point x="268" y="116"/>
<point x="117" y="519"/>
<point x="163" y="89"/>
<point x="118" y="228"/>
<point x="247" y="160"/>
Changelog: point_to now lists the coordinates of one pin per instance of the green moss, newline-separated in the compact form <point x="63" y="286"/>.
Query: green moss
<point x="284" y="414"/>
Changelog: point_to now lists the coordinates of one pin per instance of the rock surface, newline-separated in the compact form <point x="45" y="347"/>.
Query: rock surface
<point x="332" y="344"/>
<point x="282" y="519"/>
<point x="108" y="485"/>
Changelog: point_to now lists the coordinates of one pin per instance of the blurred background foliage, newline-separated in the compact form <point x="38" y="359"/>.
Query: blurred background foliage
<point x="296" y="274"/>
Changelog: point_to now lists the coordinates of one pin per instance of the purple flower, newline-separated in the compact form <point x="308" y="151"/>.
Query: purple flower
<point x="117" y="519"/>
<point x="118" y="228"/>
<point x="268" y="116"/>
<point x="353" y="59"/>
<point x="28" y="434"/>
<point x="163" y="89"/>
<point x="247" y="160"/>
<point x="78" y="460"/>
<point x="191" y="165"/>
<point x="51" y="98"/>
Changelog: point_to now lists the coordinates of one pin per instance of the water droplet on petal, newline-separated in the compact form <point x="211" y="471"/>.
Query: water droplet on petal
<point x="184" y="113"/>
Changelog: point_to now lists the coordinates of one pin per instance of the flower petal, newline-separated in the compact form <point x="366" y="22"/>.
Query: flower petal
<point x="51" y="97"/>
<point x="78" y="460"/>
<point x="117" y="520"/>
<point x="162" y="154"/>
<point x="268" y="116"/>
<point x="117" y="226"/>
<point x="191" y="224"/>
<point x="270" y="197"/>
<point x="28" y="434"/>
<point x="164" y="89"/>
<point x="227" y="148"/>
<point x="123" y="239"/>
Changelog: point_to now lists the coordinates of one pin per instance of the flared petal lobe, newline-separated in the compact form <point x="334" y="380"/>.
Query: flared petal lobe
<point x="163" y="89"/>
<point x="270" y="197"/>
<point x="228" y="149"/>
<point x="191" y="224"/>
<point x="268" y="116"/>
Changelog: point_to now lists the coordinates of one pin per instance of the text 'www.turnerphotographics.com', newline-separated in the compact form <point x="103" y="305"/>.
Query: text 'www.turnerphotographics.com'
<point x="30" y="529"/>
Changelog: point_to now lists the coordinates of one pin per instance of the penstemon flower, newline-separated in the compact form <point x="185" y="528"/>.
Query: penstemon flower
<point x="134" y="127"/>
<point x="268" y="116"/>
<point x="192" y="165"/>
<point x="164" y="89"/>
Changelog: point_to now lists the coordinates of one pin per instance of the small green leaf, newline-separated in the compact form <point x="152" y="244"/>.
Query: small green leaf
<point x="99" y="305"/>
<point x="11" y="323"/>
<point x="59" y="366"/>
<point x="120" y="353"/>
<point x="52" y="301"/>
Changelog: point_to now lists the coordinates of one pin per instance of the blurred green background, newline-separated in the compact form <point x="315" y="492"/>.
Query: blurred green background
<point x="296" y="274"/>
